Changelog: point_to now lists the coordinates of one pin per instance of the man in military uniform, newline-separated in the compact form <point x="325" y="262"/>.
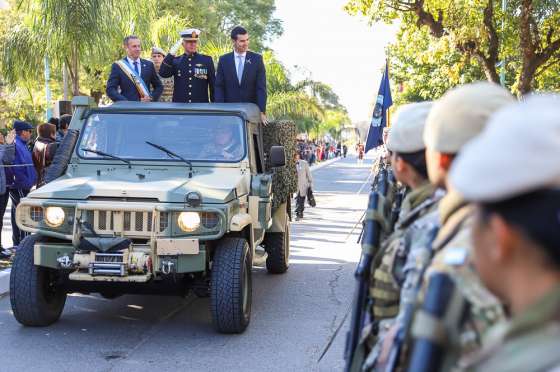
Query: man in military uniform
<point x="455" y="119"/>
<point x="405" y="141"/>
<point x="193" y="73"/>
<point x="517" y="230"/>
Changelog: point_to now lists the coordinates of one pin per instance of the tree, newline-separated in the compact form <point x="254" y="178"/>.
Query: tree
<point x="56" y="28"/>
<point x="216" y="18"/>
<point x="527" y="32"/>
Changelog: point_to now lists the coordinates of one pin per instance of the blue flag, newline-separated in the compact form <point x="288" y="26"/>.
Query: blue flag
<point x="379" y="118"/>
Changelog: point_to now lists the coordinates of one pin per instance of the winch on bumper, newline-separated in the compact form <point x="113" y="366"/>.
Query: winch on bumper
<point x="157" y="244"/>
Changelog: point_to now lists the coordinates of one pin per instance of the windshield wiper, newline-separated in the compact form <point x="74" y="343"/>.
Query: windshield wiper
<point x="107" y="155"/>
<point x="173" y="155"/>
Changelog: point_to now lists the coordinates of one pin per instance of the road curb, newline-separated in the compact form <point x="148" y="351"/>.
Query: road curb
<point x="4" y="282"/>
<point x="324" y="163"/>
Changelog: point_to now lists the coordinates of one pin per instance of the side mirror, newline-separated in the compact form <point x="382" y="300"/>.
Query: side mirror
<point x="277" y="156"/>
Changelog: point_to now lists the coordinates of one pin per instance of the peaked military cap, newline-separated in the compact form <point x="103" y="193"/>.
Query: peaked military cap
<point x="461" y="114"/>
<point x="516" y="154"/>
<point x="190" y="34"/>
<point x="406" y="134"/>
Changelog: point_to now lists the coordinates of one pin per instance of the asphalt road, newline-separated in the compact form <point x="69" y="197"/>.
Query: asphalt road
<point x="293" y="317"/>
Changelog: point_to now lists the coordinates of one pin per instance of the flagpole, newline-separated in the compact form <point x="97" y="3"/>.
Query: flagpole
<point x="389" y="109"/>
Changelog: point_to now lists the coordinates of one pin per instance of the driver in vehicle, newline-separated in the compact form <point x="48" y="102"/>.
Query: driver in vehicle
<point x="224" y="147"/>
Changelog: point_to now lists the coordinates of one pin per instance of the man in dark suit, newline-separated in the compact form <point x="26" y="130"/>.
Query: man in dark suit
<point x="241" y="76"/>
<point x="193" y="73"/>
<point x="131" y="77"/>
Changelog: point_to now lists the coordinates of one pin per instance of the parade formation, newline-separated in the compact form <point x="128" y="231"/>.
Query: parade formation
<point x="185" y="186"/>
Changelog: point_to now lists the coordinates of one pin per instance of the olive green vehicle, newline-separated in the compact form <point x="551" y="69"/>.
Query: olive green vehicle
<point x="155" y="198"/>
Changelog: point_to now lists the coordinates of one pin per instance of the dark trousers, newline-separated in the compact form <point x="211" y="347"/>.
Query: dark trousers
<point x="16" y="195"/>
<point x="3" y="204"/>
<point x="300" y="205"/>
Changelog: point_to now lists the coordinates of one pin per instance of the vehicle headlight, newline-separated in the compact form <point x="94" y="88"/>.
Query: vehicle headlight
<point x="188" y="221"/>
<point x="54" y="216"/>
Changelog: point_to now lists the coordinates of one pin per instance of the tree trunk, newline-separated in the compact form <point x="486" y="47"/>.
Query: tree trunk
<point x="76" y="74"/>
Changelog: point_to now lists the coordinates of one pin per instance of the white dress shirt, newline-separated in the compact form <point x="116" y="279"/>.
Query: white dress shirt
<point x="131" y="61"/>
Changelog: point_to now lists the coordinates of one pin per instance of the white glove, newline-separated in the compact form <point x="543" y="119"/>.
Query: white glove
<point x="175" y="47"/>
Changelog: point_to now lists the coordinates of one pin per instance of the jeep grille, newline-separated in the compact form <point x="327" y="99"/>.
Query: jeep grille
<point x="130" y="223"/>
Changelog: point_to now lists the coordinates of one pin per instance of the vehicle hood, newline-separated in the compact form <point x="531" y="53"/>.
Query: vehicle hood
<point x="215" y="185"/>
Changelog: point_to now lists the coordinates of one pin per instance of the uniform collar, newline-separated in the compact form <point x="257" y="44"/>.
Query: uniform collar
<point x="543" y="311"/>
<point x="418" y="195"/>
<point x="20" y="140"/>
<point x="451" y="203"/>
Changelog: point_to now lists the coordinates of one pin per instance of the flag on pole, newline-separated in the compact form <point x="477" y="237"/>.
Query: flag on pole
<point x="379" y="118"/>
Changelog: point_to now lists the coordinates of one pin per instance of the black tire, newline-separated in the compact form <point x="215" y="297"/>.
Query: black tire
<point x="62" y="156"/>
<point x="36" y="298"/>
<point x="230" y="285"/>
<point x="277" y="246"/>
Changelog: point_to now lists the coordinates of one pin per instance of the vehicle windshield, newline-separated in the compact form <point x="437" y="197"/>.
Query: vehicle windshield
<point x="197" y="137"/>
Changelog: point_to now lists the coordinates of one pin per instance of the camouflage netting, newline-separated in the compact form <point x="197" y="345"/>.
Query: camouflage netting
<point x="284" y="180"/>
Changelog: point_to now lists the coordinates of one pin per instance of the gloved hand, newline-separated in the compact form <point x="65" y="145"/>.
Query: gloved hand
<point x="175" y="47"/>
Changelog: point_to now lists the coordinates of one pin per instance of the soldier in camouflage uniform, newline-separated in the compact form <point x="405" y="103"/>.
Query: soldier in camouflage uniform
<point x="455" y="119"/>
<point x="406" y="145"/>
<point x="516" y="232"/>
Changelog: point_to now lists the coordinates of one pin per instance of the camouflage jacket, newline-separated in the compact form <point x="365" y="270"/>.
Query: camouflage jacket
<point x="398" y="264"/>
<point x="385" y="288"/>
<point x="529" y="342"/>
<point x="452" y="254"/>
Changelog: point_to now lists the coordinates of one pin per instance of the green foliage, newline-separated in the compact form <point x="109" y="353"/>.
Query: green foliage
<point x="423" y="68"/>
<point x="441" y="43"/>
<point x="216" y="18"/>
<point x="86" y="37"/>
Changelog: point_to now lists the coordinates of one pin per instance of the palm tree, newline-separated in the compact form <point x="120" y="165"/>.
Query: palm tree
<point x="70" y="33"/>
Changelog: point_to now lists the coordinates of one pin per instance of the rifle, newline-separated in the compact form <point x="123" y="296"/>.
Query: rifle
<point x="408" y="312"/>
<point x="443" y="306"/>
<point x="370" y="243"/>
<point x="399" y="197"/>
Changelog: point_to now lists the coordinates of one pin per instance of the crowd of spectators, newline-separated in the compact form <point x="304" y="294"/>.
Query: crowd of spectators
<point x="25" y="156"/>
<point x="317" y="151"/>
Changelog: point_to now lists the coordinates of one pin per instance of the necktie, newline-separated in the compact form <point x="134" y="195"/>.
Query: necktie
<point x="240" y="68"/>
<point x="136" y="68"/>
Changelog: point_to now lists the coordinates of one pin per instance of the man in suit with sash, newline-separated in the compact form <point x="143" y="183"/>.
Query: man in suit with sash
<point x="133" y="78"/>
<point x="241" y="75"/>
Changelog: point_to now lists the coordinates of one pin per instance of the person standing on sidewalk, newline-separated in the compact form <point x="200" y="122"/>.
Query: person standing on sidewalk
<point x="305" y="182"/>
<point x="22" y="177"/>
<point x="7" y="153"/>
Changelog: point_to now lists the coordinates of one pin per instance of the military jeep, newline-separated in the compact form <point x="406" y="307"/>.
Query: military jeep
<point x="153" y="198"/>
